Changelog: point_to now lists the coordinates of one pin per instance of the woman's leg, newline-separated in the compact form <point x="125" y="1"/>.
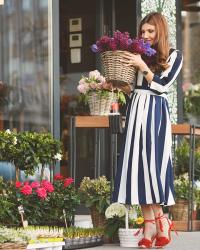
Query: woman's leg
<point x="149" y="225"/>
<point x="162" y="225"/>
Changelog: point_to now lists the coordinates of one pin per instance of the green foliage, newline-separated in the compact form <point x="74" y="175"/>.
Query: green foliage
<point x="26" y="150"/>
<point x="77" y="232"/>
<point x="38" y="210"/>
<point x="191" y="102"/>
<point x="181" y="186"/>
<point x="95" y="192"/>
<point x="182" y="158"/>
<point x="112" y="226"/>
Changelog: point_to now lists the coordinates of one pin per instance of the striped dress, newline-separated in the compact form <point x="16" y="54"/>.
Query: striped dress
<point x="144" y="172"/>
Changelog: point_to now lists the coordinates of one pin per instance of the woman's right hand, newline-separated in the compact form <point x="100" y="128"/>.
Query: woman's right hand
<point x="108" y="85"/>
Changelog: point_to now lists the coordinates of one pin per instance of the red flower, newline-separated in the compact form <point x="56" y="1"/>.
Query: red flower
<point x="47" y="185"/>
<point x="58" y="177"/>
<point x="35" y="184"/>
<point x="18" y="184"/>
<point x="68" y="181"/>
<point x="26" y="190"/>
<point x="26" y="183"/>
<point x="41" y="192"/>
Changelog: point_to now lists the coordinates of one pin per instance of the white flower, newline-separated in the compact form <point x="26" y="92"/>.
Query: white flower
<point x="94" y="74"/>
<point x="132" y="214"/>
<point x="8" y="131"/>
<point x="102" y="79"/>
<point x="58" y="156"/>
<point x="14" y="140"/>
<point x="82" y="88"/>
<point x="82" y="81"/>
<point x="115" y="209"/>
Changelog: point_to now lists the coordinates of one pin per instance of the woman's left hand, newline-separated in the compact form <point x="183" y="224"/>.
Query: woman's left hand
<point x="130" y="59"/>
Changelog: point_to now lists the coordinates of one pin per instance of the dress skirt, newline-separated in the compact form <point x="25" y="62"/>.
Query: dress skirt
<point x="144" y="172"/>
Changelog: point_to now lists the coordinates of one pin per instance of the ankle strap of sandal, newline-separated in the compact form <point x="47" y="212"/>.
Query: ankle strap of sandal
<point x="171" y="224"/>
<point x="159" y="218"/>
<point x="151" y="221"/>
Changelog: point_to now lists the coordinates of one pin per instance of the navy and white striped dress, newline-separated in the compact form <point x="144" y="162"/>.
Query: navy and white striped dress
<point x="144" y="173"/>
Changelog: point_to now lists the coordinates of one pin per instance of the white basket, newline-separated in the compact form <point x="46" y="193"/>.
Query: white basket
<point x="128" y="238"/>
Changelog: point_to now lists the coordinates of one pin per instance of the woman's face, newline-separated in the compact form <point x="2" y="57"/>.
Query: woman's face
<point x="148" y="33"/>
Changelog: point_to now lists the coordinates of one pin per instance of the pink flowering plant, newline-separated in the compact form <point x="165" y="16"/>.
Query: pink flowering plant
<point x="43" y="201"/>
<point x="95" y="82"/>
<point x="122" y="41"/>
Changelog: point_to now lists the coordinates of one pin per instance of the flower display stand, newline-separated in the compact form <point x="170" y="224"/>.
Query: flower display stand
<point x="46" y="246"/>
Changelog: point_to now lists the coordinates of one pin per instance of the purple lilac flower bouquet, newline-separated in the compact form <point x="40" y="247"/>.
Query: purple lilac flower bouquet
<point x="122" y="41"/>
<point x="111" y="50"/>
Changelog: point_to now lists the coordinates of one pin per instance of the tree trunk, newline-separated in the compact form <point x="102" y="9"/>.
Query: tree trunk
<point x="42" y="173"/>
<point x="16" y="173"/>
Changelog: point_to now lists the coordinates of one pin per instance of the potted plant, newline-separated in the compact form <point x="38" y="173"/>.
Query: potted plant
<point x="111" y="50"/>
<point x="191" y="103"/>
<point x="26" y="150"/>
<point x="44" y="203"/>
<point x="76" y="237"/>
<point x="179" y="211"/>
<point x="95" y="193"/>
<point x="31" y="238"/>
<point x="94" y="91"/>
<point x="125" y="221"/>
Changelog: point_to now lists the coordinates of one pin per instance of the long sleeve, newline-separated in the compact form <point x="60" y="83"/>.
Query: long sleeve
<point x="162" y="82"/>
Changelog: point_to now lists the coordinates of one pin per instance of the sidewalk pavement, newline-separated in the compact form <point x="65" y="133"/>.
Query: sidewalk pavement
<point x="184" y="241"/>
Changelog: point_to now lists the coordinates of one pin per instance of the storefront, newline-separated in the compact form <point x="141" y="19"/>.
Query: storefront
<point x="44" y="51"/>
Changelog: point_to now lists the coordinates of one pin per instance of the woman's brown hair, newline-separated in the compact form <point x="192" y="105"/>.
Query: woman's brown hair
<point x="161" y="41"/>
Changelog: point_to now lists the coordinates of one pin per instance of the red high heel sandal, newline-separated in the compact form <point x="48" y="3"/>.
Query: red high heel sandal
<point x="146" y="243"/>
<point x="162" y="241"/>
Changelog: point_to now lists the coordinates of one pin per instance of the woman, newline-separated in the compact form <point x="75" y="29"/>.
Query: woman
<point x="145" y="174"/>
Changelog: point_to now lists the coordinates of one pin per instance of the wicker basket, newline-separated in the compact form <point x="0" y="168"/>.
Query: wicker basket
<point x="179" y="211"/>
<point x="114" y="70"/>
<point x="98" y="220"/>
<point x="12" y="246"/>
<point x="100" y="105"/>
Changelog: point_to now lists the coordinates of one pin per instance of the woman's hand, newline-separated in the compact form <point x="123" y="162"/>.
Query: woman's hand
<point x="130" y="59"/>
<point x="108" y="85"/>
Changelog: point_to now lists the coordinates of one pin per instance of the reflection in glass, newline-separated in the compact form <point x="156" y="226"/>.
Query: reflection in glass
<point x="24" y="64"/>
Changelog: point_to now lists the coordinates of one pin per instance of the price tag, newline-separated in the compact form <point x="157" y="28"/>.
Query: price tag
<point x="21" y="209"/>
<point x="21" y="212"/>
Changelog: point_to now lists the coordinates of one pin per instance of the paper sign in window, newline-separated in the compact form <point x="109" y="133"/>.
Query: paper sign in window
<point x="75" y="55"/>
<point x="75" y="40"/>
<point x="75" y="24"/>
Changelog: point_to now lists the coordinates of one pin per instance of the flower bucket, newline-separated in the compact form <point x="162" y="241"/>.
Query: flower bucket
<point x="115" y="70"/>
<point x="100" y="105"/>
<point x="129" y="237"/>
<point x="179" y="211"/>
